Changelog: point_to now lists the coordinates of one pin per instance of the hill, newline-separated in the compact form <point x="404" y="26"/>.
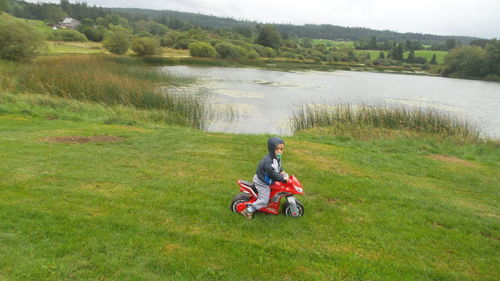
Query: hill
<point x="82" y="10"/>
<point x="323" y="31"/>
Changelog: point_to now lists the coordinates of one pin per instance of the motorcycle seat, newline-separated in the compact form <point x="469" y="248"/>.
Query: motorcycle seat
<point x="251" y="185"/>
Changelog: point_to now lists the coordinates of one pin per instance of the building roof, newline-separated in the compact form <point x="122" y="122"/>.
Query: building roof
<point x="69" y="20"/>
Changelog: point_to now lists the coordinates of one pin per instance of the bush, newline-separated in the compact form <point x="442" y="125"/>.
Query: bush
<point x="67" y="35"/>
<point x="270" y="52"/>
<point x="466" y="61"/>
<point x="202" y="49"/>
<point x="252" y="54"/>
<point x="18" y="40"/>
<point x="93" y="34"/>
<point x="261" y="50"/>
<point x="145" y="46"/>
<point x="229" y="51"/>
<point x="117" y="41"/>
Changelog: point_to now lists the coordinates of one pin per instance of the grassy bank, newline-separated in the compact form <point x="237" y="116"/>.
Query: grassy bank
<point x="85" y="199"/>
<point x="108" y="80"/>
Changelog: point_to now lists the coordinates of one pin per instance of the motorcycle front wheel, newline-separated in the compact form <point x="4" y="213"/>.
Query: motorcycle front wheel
<point x="287" y="210"/>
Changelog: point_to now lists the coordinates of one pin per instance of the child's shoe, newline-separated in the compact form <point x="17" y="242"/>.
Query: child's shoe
<point x="246" y="213"/>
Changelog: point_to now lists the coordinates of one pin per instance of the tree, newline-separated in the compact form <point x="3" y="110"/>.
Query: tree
<point x="91" y="31"/>
<point x="268" y="36"/>
<point x="3" y="5"/>
<point x="466" y="61"/>
<point x="351" y="56"/>
<point x="145" y="46"/>
<point x="373" y="43"/>
<point x="202" y="49"/>
<point x="229" y="51"/>
<point x="479" y="42"/>
<point x="114" y="19"/>
<point x="493" y="56"/>
<point x="117" y="40"/>
<point x="65" y="5"/>
<point x="411" y="57"/>
<point x="408" y="45"/>
<point x="381" y="55"/>
<point x="307" y="43"/>
<point x="18" y="40"/>
<point x="52" y="13"/>
<point x="450" y="44"/>
<point x="246" y="31"/>
<point x="397" y="52"/>
<point x="433" y="60"/>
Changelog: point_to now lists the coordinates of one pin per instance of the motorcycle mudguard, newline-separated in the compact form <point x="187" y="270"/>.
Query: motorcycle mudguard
<point x="240" y="207"/>
<point x="293" y="205"/>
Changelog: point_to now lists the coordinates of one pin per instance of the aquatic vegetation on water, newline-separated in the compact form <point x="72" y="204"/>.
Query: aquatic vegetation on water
<point x="363" y="117"/>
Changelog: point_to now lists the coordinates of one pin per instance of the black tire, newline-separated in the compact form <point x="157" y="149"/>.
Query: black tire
<point x="287" y="211"/>
<point x="237" y="199"/>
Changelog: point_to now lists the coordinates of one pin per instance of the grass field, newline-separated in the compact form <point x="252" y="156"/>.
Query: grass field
<point x="87" y="199"/>
<point x="39" y="25"/>
<point x="374" y="54"/>
<point x="427" y="54"/>
<point x="333" y="43"/>
<point x="57" y="48"/>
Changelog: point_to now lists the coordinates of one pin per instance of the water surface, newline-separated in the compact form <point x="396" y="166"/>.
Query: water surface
<point x="265" y="100"/>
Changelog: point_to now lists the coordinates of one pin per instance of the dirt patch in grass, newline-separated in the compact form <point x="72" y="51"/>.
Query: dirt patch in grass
<point x="82" y="139"/>
<point x="451" y="159"/>
<point x="333" y="200"/>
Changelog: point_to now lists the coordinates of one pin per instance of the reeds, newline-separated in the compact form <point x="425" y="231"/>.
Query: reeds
<point x="112" y="82"/>
<point x="362" y="118"/>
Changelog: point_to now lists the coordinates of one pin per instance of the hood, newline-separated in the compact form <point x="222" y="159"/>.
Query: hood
<point x="272" y="143"/>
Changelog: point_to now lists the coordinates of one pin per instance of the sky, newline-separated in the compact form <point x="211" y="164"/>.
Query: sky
<point x="478" y="18"/>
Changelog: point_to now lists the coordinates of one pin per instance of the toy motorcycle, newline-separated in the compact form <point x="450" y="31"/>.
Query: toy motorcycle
<point x="291" y="207"/>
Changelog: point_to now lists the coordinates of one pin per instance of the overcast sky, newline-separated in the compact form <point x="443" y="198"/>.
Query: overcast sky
<point x="480" y="18"/>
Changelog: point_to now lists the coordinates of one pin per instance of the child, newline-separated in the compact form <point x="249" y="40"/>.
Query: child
<point x="268" y="171"/>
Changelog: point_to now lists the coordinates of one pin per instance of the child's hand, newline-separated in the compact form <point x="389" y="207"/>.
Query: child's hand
<point x="285" y="176"/>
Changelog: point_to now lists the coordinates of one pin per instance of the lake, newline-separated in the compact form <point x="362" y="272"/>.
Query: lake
<point x="264" y="100"/>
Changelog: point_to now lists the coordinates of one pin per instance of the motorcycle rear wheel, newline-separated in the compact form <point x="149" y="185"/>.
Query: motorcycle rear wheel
<point x="237" y="199"/>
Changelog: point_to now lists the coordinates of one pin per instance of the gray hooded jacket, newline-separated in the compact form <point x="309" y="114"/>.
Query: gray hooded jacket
<point x="269" y="168"/>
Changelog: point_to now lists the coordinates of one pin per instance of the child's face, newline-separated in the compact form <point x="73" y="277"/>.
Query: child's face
<point x="279" y="149"/>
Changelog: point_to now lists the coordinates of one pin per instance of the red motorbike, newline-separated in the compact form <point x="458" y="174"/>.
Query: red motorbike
<point x="291" y="206"/>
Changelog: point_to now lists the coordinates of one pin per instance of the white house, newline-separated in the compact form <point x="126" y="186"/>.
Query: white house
<point x="69" y="23"/>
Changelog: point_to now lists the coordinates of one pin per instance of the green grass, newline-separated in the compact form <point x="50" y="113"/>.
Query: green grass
<point x="427" y="54"/>
<point x="333" y="43"/>
<point x="39" y="25"/>
<point x="58" y="48"/>
<point x="155" y="206"/>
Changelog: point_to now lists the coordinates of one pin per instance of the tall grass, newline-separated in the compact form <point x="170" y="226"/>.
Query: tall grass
<point x="363" y="118"/>
<point x="112" y="82"/>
